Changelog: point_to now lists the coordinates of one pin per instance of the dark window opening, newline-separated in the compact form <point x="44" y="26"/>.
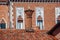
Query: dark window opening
<point x="19" y="22"/>
<point x="40" y="24"/>
<point x="58" y="21"/>
<point x="2" y="24"/>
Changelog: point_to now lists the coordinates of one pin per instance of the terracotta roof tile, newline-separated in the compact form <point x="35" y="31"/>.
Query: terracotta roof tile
<point x="23" y="35"/>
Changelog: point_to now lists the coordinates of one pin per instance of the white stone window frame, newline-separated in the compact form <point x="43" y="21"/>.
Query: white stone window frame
<point x="22" y="15"/>
<point x="57" y="13"/>
<point x="42" y="15"/>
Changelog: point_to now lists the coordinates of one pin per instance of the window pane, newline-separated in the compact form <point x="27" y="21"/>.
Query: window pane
<point x="58" y="21"/>
<point x="19" y="25"/>
<point x="0" y="26"/>
<point x="3" y="26"/>
<point x="40" y="24"/>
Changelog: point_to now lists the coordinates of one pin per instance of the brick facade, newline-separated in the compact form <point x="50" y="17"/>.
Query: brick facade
<point x="4" y="14"/>
<point x="49" y="14"/>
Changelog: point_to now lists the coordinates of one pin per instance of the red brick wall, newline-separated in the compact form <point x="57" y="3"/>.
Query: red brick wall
<point x="49" y="12"/>
<point x="4" y="13"/>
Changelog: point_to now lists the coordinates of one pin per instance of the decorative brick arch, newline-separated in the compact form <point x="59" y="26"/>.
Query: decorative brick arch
<point x="58" y="18"/>
<point x="39" y="18"/>
<point x="4" y="21"/>
<point x="20" y="19"/>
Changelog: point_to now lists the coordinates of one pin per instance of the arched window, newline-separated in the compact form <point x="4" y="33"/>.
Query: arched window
<point x="58" y="19"/>
<point x="40" y="17"/>
<point x="2" y="24"/>
<point x="20" y="18"/>
<point x="57" y="14"/>
<point x="19" y="22"/>
<point x="40" y="22"/>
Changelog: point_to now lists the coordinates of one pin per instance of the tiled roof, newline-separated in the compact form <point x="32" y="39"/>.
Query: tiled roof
<point x="23" y="35"/>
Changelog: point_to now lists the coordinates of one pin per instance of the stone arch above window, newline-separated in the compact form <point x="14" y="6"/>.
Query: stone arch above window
<point x="39" y="18"/>
<point x="58" y="18"/>
<point x="2" y="21"/>
<point x="20" y="19"/>
<point x="2" y="24"/>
